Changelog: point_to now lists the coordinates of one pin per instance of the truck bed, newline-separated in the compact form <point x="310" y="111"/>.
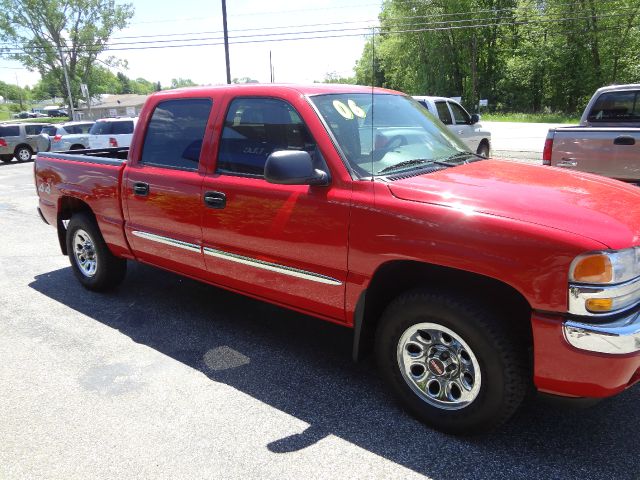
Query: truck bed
<point x="89" y="177"/>
<point x="610" y="151"/>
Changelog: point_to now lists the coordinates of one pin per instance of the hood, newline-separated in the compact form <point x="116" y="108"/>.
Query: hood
<point x="599" y="208"/>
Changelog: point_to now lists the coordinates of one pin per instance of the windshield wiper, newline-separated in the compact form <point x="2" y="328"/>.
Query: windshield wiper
<point x="406" y="163"/>
<point x="466" y="155"/>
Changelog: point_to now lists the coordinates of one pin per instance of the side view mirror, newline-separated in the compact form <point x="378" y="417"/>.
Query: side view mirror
<point x="475" y="118"/>
<point x="293" y="167"/>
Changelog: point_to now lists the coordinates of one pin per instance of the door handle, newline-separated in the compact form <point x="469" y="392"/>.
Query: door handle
<point x="215" y="199"/>
<point x="141" y="189"/>
<point x="624" y="140"/>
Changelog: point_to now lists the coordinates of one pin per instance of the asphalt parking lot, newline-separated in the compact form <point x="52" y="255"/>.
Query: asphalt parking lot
<point x="170" y="378"/>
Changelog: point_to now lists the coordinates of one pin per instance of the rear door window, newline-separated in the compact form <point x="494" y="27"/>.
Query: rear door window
<point x="11" y="131"/>
<point x="443" y="113"/>
<point x="33" y="129"/>
<point x="122" y="128"/>
<point x="616" y="107"/>
<point x="175" y="133"/>
<point x="101" y="128"/>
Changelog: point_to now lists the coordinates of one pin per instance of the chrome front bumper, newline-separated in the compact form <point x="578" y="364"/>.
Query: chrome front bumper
<point x="621" y="336"/>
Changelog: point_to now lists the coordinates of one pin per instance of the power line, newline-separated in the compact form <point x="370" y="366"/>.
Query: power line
<point x="358" y="31"/>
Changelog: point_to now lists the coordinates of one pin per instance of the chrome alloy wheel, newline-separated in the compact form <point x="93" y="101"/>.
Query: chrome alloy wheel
<point x="439" y="366"/>
<point x="24" y="155"/>
<point x="85" y="253"/>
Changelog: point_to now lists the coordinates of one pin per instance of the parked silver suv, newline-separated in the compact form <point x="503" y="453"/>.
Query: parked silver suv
<point x="21" y="140"/>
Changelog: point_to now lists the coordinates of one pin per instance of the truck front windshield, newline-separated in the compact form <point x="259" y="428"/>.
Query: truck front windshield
<point x="381" y="134"/>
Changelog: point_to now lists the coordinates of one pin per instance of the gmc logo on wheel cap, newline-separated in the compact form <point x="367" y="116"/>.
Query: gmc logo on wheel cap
<point x="436" y="366"/>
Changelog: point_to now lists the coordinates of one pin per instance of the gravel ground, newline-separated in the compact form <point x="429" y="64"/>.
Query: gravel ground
<point x="170" y="378"/>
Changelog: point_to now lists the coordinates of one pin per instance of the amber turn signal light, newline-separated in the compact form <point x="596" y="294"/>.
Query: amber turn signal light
<point x="597" y="305"/>
<point x="593" y="269"/>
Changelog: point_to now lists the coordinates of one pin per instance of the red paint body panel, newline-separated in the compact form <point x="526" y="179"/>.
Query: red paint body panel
<point x="596" y="207"/>
<point x="96" y="185"/>
<point x="519" y="224"/>
<point x="561" y="369"/>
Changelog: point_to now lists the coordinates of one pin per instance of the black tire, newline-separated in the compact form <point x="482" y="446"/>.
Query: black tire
<point x="109" y="270"/>
<point x="23" y="153"/>
<point x="484" y="149"/>
<point x="6" y="158"/>
<point x="77" y="147"/>
<point x="498" y="353"/>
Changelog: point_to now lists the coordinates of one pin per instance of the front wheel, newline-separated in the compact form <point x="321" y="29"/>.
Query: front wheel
<point x="483" y="150"/>
<point x="451" y="362"/>
<point x="93" y="264"/>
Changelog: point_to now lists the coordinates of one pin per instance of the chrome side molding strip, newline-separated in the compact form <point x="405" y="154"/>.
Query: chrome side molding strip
<point x="192" y="247"/>
<point x="273" y="267"/>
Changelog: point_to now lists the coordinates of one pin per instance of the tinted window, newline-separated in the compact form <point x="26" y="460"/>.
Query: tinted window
<point x="256" y="127"/>
<point x="13" y="131"/>
<point x="460" y="114"/>
<point x="84" y="128"/>
<point x="51" y="130"/>
<point x="175" y="132"/>
<point x="33" y="129"/>
<point x="616" y="107"/>
<point x="101" y="128"/>
<point x="424" y="104"/>
<point x="122" y="128"/>
<point x="443" y="113"/>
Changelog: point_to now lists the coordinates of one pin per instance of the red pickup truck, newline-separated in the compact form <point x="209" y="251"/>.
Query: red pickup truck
<point x="473" y="280"/>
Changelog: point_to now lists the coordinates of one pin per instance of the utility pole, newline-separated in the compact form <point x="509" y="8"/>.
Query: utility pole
<point x="271" y="67"/>
<point x="226" y="39"/>
<point x="66" y="79"/>
<point x="19" y="92"/>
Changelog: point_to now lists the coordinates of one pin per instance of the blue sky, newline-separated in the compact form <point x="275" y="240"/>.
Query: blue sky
<point x="294" y="61"/>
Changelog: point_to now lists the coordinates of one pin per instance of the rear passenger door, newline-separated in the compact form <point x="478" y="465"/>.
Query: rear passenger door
<point x="286" y="243"/>
<point x="33" y="139"/>
<point x="162" y="188"/>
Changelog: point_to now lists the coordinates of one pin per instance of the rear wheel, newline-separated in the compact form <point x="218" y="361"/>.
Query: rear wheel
<point x="77" y="147"/>
<point x="451" y="362"/>
<point x="6" y="158"/>
<point x="93" y="264"/>
<point x="23" y="153"/>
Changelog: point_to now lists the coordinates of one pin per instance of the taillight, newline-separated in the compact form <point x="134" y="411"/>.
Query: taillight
<point x="546" y="153"/>
<point x="57" y="138"/>
<point x="3" y="142"/>
<point x="113" y="142"/>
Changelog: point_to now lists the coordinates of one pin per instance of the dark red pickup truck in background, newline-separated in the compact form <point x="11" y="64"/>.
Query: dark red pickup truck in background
<point x="474" y="280"/>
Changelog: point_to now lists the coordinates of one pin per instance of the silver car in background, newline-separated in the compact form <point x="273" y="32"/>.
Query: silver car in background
<point x="67" y="136"/>
<point x="460" y="122"/>
<point x="21" y="140"/>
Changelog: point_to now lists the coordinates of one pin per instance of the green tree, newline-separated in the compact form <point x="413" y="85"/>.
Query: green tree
<point x="522" y="55"/>
<point x="182" y="82"/>
<point x="47" y="33"/>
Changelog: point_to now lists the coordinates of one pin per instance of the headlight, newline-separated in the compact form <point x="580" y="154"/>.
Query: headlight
<point x="607" y="267"/>
<point x="604" y="282"/>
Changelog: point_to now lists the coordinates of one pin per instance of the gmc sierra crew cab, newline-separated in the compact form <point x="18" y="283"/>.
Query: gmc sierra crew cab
<point x="607" y="141"/>
<point x="474" y="281"/>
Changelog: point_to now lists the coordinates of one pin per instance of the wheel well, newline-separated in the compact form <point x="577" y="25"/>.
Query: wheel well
<point x="77" y="146"/>
<point x="395" y="278"/>
<point x="67" y="206"/>
<point x="484" y="141"/>
<point x="22" y="145"/>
